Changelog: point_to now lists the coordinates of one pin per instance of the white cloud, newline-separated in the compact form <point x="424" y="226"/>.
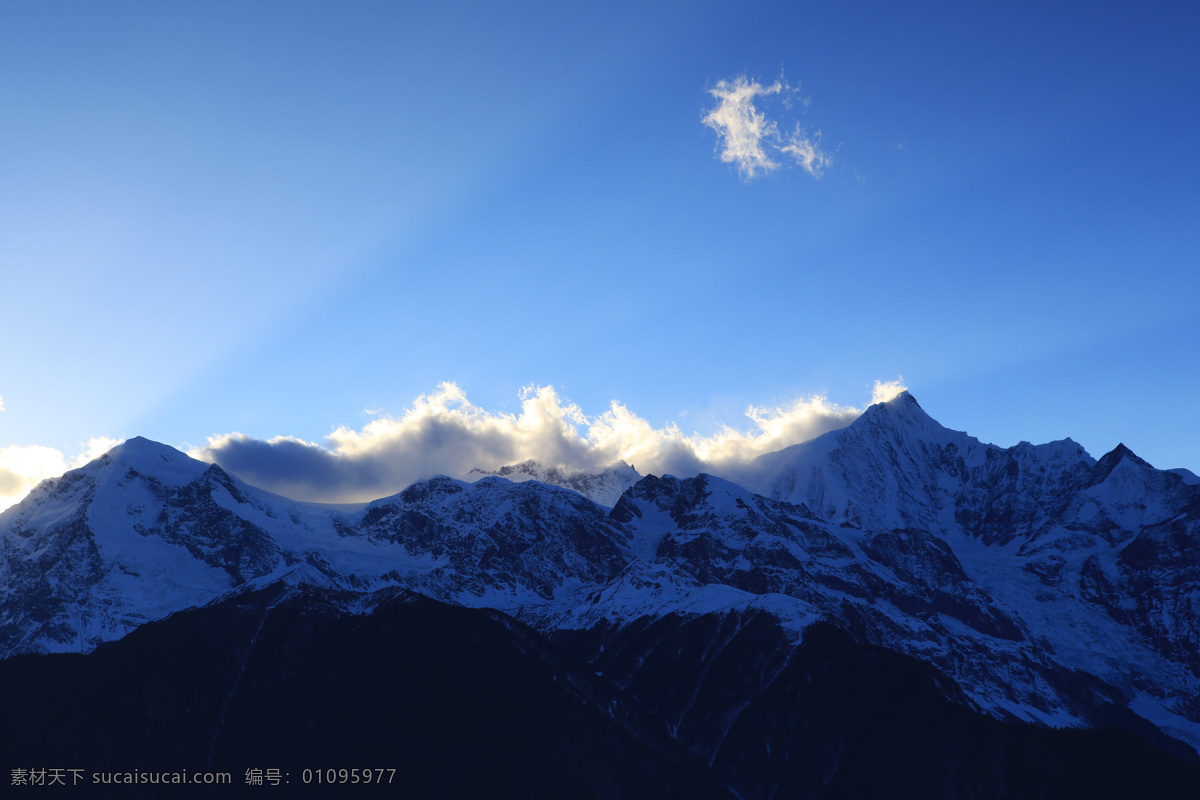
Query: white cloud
<point x="23" y="467"/>
<point x="749" y="139"/>
<point x="742" y="128"/>
<point x="886" y="390"/>
<point x="1" y="403"/>
<point x="95" y="447"/>
<point x="444" y="433"/>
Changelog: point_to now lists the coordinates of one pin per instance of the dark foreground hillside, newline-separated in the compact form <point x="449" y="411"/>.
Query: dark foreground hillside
<point x="468" y="703"/>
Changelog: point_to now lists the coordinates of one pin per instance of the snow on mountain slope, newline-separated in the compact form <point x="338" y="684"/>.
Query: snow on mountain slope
<point x="145" y="531"/>
<point x="1098" y="560"/>
<point x="63" y="588"/>
<point x="902" y="588"/>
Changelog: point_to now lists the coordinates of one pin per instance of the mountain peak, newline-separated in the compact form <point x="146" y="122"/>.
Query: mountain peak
<point x="903" y="403"/>
<point x="900" y="412"/>
<point x="141" y="445"/>
<point x="163" y="462"/>
<point x="1109" y="461"/>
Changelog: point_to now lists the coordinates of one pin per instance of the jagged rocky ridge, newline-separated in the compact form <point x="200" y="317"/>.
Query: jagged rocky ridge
<point x="1047" y="586"/>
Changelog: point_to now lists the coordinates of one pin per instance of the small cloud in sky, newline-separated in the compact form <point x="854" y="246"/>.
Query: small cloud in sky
<point x="751" y="140"/>
<point x="1" y="403"/>
<point x="444" y="433"/>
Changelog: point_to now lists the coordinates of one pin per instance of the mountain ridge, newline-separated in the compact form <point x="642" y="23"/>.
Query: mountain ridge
<point x="1047" y="585"/>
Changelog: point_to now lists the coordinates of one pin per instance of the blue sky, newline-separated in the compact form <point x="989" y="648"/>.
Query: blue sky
<point x="287" y="219"/>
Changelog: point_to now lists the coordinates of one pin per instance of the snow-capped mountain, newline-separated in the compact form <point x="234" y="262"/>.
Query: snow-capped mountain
<point x="604" y="488"/>
<point x="1044" y="585"/>
<point x="145" y="531"/>
<point x="1064" y="543"/>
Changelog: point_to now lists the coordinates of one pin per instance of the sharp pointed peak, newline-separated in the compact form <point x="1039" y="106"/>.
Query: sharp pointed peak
<point x="1121" y="452"/>
<point x="899" y="402"/>
<point x="902" y="407"/>
<point x="1109" y="461"/>
<point x="903" y="401"/>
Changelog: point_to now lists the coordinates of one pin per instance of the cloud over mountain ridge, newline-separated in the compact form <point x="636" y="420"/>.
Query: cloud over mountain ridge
<point x="444" y="433"/>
